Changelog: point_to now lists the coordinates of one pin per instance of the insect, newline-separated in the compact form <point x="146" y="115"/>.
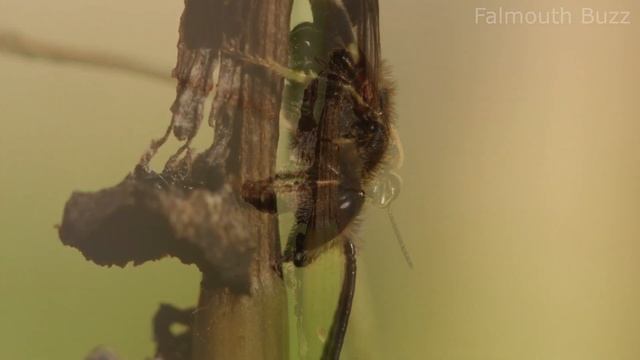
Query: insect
<point x="342" y="135"/>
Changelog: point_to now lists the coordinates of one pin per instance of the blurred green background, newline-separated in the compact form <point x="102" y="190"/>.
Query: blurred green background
<point x="520" y="201"/>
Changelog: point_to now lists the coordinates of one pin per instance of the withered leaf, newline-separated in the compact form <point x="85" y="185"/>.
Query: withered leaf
<point x="141" y="219"/>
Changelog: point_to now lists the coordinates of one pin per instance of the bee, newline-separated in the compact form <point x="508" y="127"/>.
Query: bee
<point x="341" y="139"/>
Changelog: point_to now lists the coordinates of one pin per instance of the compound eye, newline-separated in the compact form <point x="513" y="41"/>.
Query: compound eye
<point x="385" y="189"/>
<point x="304" y="42"/>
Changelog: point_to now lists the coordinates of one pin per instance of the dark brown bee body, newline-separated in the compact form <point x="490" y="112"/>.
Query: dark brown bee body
<point x="340" y="141"/>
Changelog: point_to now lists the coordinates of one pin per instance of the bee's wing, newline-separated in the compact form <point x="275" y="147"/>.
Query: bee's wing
<point x="365" y="17"/>
<point x="348" y="23"/>
<point x="334" y="23"/>
<point x="334" y="196"/>
<point x="338" y="18"/>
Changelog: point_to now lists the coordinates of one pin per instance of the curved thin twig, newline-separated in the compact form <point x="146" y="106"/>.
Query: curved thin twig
<point x="21" y="45"/>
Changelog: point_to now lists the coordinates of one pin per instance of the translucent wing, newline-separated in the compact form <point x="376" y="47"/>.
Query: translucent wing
<point x="364" y="15"/>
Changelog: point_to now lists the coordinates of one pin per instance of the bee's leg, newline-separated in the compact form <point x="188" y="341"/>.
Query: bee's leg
<point x="335" y="340"/>
<point x="262" y="193"/>
<point x="296" y="76"/>
<point x="295" y="250"/>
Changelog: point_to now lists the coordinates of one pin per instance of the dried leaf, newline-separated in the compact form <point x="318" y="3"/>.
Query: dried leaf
<point x="148" y="216"/>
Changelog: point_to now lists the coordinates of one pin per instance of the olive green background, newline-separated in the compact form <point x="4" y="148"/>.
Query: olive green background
<point x="520" y="202"/>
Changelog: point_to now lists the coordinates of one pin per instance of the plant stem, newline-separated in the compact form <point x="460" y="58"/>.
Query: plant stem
<point x="234" y="324"/>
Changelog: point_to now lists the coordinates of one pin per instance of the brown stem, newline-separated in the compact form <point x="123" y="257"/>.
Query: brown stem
<point x="193" y="209"/>
<point x="253" y="325"/>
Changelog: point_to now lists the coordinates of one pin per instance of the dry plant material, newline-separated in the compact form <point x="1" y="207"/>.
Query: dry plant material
<point x="192" y="209"/>
<point x="171" y="345"/>
<point x="198" y="208"/>
<point x="147" y="217"/>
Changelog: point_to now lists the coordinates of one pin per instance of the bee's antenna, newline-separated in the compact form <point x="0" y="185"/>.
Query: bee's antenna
<point x="401" y="243"/>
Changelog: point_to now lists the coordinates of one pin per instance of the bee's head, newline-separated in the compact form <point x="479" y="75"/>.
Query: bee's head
<point x="304" y="47"/>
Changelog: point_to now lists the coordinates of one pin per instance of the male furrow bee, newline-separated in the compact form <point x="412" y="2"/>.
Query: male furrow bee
<point x="343" y="131"/>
